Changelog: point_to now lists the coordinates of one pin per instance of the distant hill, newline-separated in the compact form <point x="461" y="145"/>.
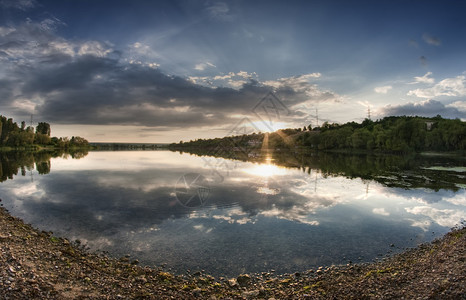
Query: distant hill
<point x="129" y="146"/>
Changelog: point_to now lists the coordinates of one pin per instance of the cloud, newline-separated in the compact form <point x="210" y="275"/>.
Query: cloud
<point x="443" y="217"/>
<point x="380" y="211"/>
<point x="91" y="83"/>
<point x="424" y="79"/>
<point x="203" y="66"/>
<point x="244" y="74"/>
<point x="302" y="91"/>
<point x="220" y="11"/>
<point x="18" y="4"/>
<point x="431" y="40"/>
<point x="450" y="87"/>
<point x="383" y="89"/>
<point x="460" y="105"/>
<point x="428" y="108"/>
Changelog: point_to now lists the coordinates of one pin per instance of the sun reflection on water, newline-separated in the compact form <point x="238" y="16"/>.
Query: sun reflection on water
<point x="265" y="170"/>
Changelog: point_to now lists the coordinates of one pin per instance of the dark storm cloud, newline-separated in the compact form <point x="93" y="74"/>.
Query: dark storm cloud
<point x="89" y="82"/>
<point x="101" y="91"/>
<point x="5" y="89"/>
<point x="427" y="108"/>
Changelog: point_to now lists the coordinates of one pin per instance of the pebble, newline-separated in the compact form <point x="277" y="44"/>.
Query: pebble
<point x="232" y="282"/>
<point x="243" y="279"/>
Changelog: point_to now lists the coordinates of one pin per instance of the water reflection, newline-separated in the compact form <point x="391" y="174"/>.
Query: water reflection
<point x="289" y="213"/>
<point x="11" y="162"/>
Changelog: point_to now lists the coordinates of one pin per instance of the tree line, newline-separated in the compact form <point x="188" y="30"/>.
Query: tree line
<point x="12" y="135"/>
<point x="390" y="134"/>
<point x="395" y="134"/>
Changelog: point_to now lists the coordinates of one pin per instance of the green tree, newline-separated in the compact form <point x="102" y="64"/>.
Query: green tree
<point x="43" y="128"/>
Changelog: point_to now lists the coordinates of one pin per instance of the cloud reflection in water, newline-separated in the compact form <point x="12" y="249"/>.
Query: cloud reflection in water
<point x="260" y="217"/>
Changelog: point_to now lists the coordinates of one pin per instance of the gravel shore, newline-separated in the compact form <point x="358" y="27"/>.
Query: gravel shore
<point x="37" y="265"/>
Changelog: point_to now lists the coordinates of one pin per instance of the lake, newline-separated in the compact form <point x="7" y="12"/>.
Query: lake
<point x="282" y="212"/>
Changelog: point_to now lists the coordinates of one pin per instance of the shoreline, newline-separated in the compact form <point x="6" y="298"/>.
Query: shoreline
<point x="37" y="265"/>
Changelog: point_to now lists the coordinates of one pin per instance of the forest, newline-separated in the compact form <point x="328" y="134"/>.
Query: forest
<point x="395" y="134"/>
<point x="14" y="136"/>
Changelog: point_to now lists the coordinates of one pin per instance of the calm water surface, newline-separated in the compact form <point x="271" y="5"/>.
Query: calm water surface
<point x="229" y="217"/>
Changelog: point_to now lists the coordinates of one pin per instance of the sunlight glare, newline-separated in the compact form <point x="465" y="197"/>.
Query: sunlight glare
<point x="265" y="170"/>
<point x="269" y="128"/>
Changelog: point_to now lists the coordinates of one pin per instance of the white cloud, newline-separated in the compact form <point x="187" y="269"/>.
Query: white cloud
<point x="424" y="79"/>
<point x="424" y="225"/>
<point x="62" y="47"/>
<point x="383" y="89"/>
<point x="94" y="48"/>
<point x="380" y="211"/>
<point x="451" y="87"/>
<point x="244" y="74"/>
<point x="50" y="24"/>
<point x="458" y="199"/>
<point x="203" y="66"/>
<point x="459" y="105"/>
<point x="298" y="83"/>
<point x="236" y="83"/>
<point x="5" y="31"/>
<point x="443" y="217"/>
<point x="224" y="77"/>
<point x="232" y="80"/>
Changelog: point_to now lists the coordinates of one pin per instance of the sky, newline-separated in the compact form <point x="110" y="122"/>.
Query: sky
<point x="165" y="71"/>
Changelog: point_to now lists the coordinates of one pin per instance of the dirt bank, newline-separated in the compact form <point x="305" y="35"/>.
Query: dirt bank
<point x="36" y="265"/>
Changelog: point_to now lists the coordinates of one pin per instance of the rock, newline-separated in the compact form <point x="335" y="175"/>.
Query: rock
<point x="197" y="292"/>
<point x="250" y="294"/>
<point x="142" y="279"/>
<point x="243" y="279"/>
<point x="232" y="282"/>
<point x="124" y="259"/>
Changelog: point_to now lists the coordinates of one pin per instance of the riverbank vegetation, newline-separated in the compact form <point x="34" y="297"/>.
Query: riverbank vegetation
<point x="388" y="135"/>
<point x="14" y="137"/>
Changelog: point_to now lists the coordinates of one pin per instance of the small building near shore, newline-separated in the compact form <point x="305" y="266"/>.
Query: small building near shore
<point x="429" y="125"/>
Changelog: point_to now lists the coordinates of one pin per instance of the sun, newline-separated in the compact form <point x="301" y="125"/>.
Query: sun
<point x="263" y="127"/>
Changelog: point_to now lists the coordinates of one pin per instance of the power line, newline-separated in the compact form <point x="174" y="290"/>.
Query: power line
<point x="317" y="117"/>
